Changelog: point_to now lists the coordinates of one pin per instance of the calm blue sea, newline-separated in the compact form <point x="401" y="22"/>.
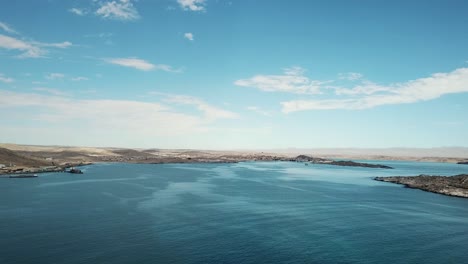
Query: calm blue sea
<point x="268" y="212"/>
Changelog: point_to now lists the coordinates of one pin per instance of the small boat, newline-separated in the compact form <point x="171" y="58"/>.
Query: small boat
<point x="24" y="176"/>
<point x="75" y="171"/>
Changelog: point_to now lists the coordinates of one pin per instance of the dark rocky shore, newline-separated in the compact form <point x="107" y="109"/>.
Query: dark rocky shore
<point x="349" y="163"/>
<point x="448" y="185"/>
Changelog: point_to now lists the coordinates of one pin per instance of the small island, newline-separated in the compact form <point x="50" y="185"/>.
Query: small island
<point x="456" y="185"/>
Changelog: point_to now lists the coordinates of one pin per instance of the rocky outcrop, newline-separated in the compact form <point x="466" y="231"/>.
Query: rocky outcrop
<point x="359" y="164"/>
<point x="348" y="163"/>
<point x="463" y="162"/>
<point x="448" y="185"/>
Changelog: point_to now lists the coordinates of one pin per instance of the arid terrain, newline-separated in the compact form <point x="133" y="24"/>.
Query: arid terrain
<point x="19" y="159"/>
<point x="28" y="158"/>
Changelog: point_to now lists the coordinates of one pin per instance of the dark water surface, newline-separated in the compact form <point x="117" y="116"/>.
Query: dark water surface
<point x="276" y="212"/>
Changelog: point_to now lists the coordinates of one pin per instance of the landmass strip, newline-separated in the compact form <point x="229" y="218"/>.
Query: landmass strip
<point x="36" y="159"/>
<point x="448" y="185"/>
<point x="20" y="159"/>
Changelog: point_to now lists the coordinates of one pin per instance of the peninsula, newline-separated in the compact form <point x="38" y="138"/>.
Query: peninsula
<point x="448" y="185"/>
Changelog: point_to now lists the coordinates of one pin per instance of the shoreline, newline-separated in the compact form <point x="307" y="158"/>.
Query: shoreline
<point x="456" y="185"/>
<point x="177" y="160"/>
<point x="40" y="170"/>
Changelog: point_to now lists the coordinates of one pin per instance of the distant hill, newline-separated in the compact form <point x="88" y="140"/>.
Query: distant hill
<point x="7" y="156"/>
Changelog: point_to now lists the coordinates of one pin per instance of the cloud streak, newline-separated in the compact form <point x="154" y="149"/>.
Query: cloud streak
<point x="369" y="95"/>
<point x="292" y="81"/>
<point x="5" y="27"/>
<point x="140" y="64"/>
<point x="54" y="76"/>
<point x="29" y="49"/>
<point x="51" y="91"/>
<point x="6" y="79"/>
<point x="210" y="112"/>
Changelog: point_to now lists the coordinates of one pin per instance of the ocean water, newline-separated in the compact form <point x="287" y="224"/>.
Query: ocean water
<point x="266" y="212"/>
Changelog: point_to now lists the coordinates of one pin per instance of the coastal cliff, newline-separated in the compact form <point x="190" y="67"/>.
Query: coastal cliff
<point x="448" y="185"/>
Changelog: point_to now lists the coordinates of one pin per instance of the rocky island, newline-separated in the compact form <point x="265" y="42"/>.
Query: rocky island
<point x="448" y="185"/>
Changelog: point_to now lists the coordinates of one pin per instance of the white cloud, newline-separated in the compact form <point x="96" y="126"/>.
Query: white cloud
<point x="78" y="11"/>
<point x="350" y="76"/>
<point x="5" y="27"/>
<point x="366" y="96"/>
<point x="6" y="79"/>
<point x="132" y="63"/>
<point x="61" y="45"/>
<point x="192" y="5"/>
<point x="30" y="49"/>
<point x="54" y="76"/>
<point x="365" y="87"/>
<point x="292" y="81"/>
<point x="79" y="78"/>
<point x="140" y="64"/>
<point x="123" y="117"/>
<point x="119" y="10"/>
<point x="188" y="36"/>
<point x="211" y="112"/>
<point x="167" y="68"/>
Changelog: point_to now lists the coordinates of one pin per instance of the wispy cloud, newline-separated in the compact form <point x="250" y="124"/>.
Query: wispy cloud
<point x="29" y="49"/>
<point x="79" y="78"/>
<point x="258" y="110"/>
<point x="118" y="10"/>
<point x="140" y="64"/>
<point x="292" y="81"/>
<point x="78" y="11"/>
<point x="369" y="95"/>
<point x="365" y="87"/>
<point x="5" y="27"/>
<point x="135" y="63"/>
<point x="99" y="35"/>
<point x="350" y="76"/>
<point x="50" y="91"/>
<point x="210" y="112"/>
<point x="188" y="36"/>
<point x="60" y="45"/>
<point x="132" y="118"/>
<point x="192" y="5"/>
<point x="54" y="76"/>
<point x="6" y="79"/>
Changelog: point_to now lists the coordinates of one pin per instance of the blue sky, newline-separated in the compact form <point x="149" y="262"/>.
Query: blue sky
<point x="218" y="74"/>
